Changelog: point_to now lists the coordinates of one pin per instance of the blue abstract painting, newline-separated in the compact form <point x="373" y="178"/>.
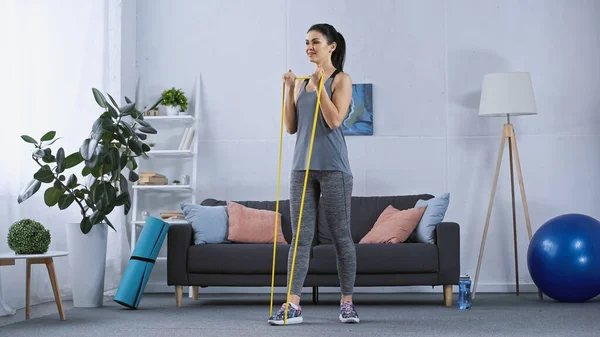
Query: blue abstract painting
<point x="360" y="118"/>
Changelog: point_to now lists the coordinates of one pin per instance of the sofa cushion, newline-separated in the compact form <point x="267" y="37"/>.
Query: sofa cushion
<point x="237" y="258"/>
<point x="436" y="210"/>
<point x="393" y="225"/>
<point x="364" y="213"/>
<point x="284" y="209"/>
<point x="249" y="225"/>
<point x="380" y="258"/>
<point x="210" y="223"/>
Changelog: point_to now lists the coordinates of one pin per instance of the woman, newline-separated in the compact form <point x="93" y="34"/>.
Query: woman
<point x="330" y="177"/>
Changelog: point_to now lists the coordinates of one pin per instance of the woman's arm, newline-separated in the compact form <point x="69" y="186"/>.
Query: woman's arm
<point x="335" y="111"/>
<point x="291" y="119"/>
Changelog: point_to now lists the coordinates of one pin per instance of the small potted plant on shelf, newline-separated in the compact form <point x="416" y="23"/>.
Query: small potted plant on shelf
<point x="113" y="146"/>
<point x="176" y="182"/>
<point x="174" y="100"/>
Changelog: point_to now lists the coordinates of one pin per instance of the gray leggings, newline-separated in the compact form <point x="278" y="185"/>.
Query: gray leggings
<point x="335" y="189"/>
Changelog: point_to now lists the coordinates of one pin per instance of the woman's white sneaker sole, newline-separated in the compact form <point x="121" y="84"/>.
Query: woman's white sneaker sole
<point x="349" y="320"/>
<point x="295" y="320"/>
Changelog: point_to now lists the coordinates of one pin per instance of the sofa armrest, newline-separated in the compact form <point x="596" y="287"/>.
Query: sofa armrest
<point x="447" y="235"/>
<point x="179" y="239"/>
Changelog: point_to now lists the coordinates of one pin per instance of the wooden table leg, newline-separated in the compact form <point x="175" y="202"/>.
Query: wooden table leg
<point x="27" y="288"/>
<point x="49" y="262"/>
<point x="54" y="281"/>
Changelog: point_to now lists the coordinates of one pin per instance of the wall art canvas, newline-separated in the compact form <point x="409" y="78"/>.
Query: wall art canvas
<point x="360" y="119"/>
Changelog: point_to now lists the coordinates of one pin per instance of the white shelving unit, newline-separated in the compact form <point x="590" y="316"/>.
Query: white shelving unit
<point x="169" y="122"/>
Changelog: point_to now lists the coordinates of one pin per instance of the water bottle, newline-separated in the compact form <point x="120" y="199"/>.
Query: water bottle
<point x="464" y="292"/>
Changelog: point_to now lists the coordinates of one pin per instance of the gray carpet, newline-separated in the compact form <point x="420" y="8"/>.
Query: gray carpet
<point x="381" y="315"/>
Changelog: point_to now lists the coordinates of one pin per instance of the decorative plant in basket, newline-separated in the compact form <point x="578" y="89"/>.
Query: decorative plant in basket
<point x="116" y="140"/>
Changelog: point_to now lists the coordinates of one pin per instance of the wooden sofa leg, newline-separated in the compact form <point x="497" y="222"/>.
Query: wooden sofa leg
<point x="195" y="293"/>
<point x="315" y="295"/>
<point x="448" y="295"/>
<point x="178" y="295"/>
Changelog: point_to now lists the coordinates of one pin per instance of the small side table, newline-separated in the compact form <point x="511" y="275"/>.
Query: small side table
<point x="8" y="259"/>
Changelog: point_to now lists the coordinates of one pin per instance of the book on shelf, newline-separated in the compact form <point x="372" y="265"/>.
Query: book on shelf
<point x="187" y="139"/>
<point x="152" y="178"/>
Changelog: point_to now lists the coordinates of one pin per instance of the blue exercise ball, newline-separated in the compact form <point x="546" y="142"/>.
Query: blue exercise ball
<point x="563" y="258"/>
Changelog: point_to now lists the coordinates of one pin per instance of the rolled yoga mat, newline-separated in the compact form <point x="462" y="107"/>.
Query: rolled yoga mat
<point x="141" y="263"/>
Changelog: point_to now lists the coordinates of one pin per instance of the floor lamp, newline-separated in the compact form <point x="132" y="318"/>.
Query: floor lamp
<point x="506" y="95"/>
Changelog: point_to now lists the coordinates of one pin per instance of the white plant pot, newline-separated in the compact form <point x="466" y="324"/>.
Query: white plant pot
<point x="87" y="257"/>
<point x="173" y="110"/>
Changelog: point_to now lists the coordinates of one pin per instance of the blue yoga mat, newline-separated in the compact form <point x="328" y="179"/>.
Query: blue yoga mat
<point x="141" y="263"/>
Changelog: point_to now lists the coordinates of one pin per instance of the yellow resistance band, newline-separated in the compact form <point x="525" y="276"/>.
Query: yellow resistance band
<point x="312" y="139"/>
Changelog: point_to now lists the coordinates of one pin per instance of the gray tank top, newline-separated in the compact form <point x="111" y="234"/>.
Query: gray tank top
<point x="329" y="148"/>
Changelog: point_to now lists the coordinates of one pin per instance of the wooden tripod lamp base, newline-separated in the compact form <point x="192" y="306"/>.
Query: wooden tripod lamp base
<point x="506" y="94"/>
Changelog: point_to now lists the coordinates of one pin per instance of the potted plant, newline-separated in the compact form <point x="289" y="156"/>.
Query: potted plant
<point x="174" y="100"/>
<point x="109" y="156"/>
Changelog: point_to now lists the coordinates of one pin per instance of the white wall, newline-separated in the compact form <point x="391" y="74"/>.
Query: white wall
<point x="52" y="57"/>
<point x="426" y="60"/>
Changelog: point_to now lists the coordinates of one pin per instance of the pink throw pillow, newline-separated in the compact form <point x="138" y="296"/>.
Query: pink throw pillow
<point x="394" y="226"/>
<point x="249" y="225"/>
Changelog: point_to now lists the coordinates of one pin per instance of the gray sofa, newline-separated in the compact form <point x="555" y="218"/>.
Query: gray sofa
<point x="240" y="265"/>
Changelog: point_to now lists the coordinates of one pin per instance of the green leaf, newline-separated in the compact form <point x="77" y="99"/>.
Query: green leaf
<point x="85" y="225"/>
<point x="124" y="200"/>
<point x="123" y="160"/>
<point x="148" y="129"/>
<point x="29" y="139"/>
<point x="73" y="160"/>
<point x="58" y="185"/>
<point x="154" y="105"/>
<point x="127" y="99"/>
<point x="96" y="217"/>
<point x="44" y="174"/>
<point x="109" y="223"/>
<point x="29" y="190"/>
<point x="126" y="128"/>
<point x="88" y="148"/>
<point x="60" y="160"/>
<point x="127" y="205"/>
<point x="133" y="177"/>
<point x="99" y="98"/>
<point x="143" y="123"/>
<point x="115" y="160"/>
<point x="141" y="136"/>
<point x="101" y="125"/>
<point x="86" y="171"/>
<point x="104" y="195"/>
<point x="48" y="136"/>
<point x="72" y="181"/>
<point x="113" y="112"/>
<point x="123" y="184"/>
<point x="112" y="100"/>
<point x="121" y="199"/>
<point x="48" y="157"/>
<point x="65" y="200"/>
<point x="135" y="146"/>
<point x="51" y="196"/>
<point x="132" y="164"/>
<point x="52" y="142"/>
<point x="126" y="109"/>
<point x="120" y="138"/>
<point x="145" y="147"/>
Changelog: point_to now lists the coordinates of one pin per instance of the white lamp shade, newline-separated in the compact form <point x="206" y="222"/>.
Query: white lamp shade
<point x="505" y="94"/>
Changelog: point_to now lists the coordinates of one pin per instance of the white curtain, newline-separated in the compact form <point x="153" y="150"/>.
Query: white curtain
<point x="53" y="54"/>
